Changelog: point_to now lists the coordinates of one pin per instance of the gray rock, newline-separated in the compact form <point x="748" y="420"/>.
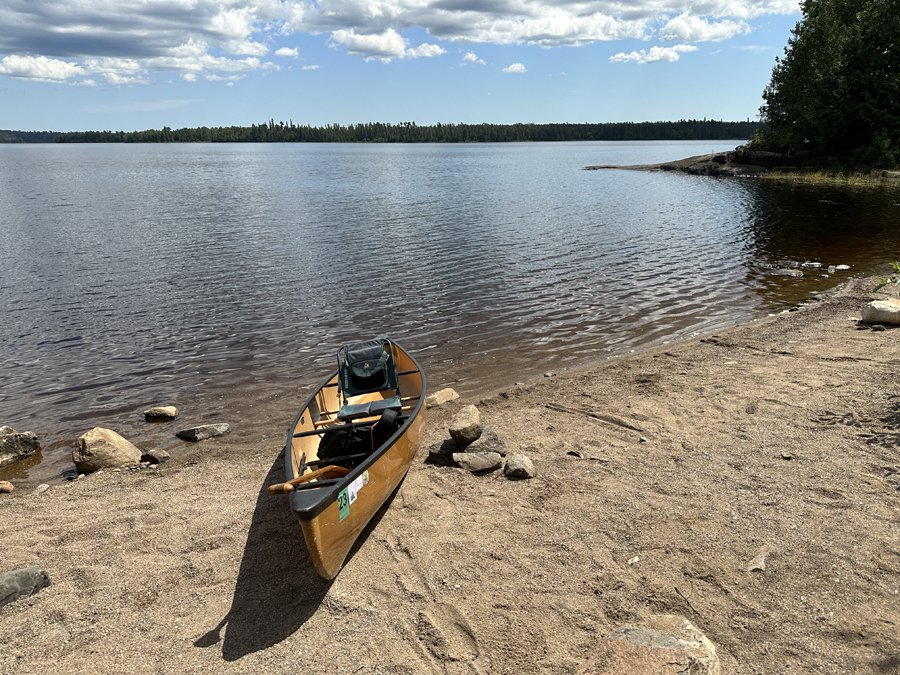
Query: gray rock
<point x="478" y="461"/>
<point x="22" y="583"/>
<point x="466" y="425"/>
<point x="787" y="273"/>
<point x="103" y="449"/>
<point x="155" y="457"/>
<point x="41" y="489"/>
<point x="15" y="446"/>
<point x="440" y="397"/>
<point x="203" y="432"/>
<point x="658" y="640"/>
<point x="442" y="453"/>
<point x="161" y="413"/>
<point x="6" y="487"/>
<point x="519" y="466"/>
<point x="489" y="441"/>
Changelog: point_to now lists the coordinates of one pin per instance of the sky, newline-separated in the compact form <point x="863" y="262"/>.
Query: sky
<point x="74" y="65"/>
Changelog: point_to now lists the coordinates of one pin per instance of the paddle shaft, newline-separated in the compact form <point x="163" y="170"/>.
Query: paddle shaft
<point x="288" y="487"/>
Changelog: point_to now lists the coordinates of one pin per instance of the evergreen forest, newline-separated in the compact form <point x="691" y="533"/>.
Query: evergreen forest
<point x="410" y="132"/>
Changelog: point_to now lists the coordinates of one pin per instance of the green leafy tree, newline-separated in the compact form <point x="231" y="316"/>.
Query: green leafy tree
<point x="836" y="91"/>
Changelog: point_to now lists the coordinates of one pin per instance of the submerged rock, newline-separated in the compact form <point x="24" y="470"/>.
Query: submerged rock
<point x="161" y="413"/>
<point x="15" y="446"/>
<point x="203" y="432"/>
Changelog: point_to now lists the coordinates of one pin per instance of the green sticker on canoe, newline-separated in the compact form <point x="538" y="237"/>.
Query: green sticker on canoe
<point x="344" y="504"/>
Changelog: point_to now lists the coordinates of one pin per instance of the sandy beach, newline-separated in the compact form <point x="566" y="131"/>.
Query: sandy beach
<point x="660" y="477"/>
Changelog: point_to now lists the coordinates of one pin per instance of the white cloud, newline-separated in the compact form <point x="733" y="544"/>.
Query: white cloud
<point x="686" y="28"/>
<point x="470" y="57"/>
<point x="53" y="40"/>
<point x="310" y="67"/>
<point x="39" y="68"/>
<point x="385" y="46"/>
<point x="654" y="54"/>
<point x="515" y="68"/>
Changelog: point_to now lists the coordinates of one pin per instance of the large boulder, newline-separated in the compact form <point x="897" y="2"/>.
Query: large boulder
<point x="22" y="583"/>
<point x="882" y="311"/>
<point x="15" y="446"/>
<point x="103" y="449"/>
<point x="466" y="425"/>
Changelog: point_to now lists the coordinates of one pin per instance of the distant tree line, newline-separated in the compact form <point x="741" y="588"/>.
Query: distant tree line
<point x="410" y="132"/>
<point x="7" y="136"/>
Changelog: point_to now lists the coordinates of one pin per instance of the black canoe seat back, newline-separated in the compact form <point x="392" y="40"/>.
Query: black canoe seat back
<point x="364" y="368"/>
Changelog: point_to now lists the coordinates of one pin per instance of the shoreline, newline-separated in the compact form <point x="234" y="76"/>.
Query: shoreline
<point x="775" y="437"/>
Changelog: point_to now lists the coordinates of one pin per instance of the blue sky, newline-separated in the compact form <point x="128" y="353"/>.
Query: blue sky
<point x="69" y="65"/>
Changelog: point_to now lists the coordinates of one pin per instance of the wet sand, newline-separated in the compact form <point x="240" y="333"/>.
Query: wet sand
<point x="661" y="476"/>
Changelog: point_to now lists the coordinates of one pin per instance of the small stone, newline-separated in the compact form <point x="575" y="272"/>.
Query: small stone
<point x="203" y="432"/>
<point x="576" y="453"/>
<point x="161" y="413"/>
<point x="155" y="457"/>
<point x="636" y="559"/>
<point x="478" y="461"/>
<point x="813" y="265"/>
<point x="550" y="373"/>
<point x="787" y="455"/>
<point x="758" y="564"/>
<point x="519" y="466"/>
<point x="22" y="583"/>
<point x="466" y="425"/>
<point x="440" y="397"/>
<point x="6" y="487"/>
<point x="41" y="489"/>
<point x="489" y="441"/>
<point x="878" y="328"/>
<point x="842" y="267"/>
<point x="643" y="439"/>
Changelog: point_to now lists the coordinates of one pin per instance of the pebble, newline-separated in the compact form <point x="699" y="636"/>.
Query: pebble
<point x="877" y="328"/>
<point x="41" y="489"/>
<point x="6" y="487"/>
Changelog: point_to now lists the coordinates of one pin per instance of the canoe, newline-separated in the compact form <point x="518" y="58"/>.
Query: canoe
<point x="346" y="451"/>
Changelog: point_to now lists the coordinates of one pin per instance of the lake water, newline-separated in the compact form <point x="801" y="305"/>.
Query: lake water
<point x="222" y="278"/>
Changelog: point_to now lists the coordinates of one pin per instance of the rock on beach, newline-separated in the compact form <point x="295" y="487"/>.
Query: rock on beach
<point x="103" y="449"/>
<point x="162" y="413"/>
<point x="466" y="425"/>
<point x="22" y="583"/>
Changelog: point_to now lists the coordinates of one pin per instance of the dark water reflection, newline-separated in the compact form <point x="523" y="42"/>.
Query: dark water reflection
<point x="221" y="279"/>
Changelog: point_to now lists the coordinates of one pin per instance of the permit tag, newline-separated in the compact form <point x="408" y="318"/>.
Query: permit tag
<point x="343" y="504"/>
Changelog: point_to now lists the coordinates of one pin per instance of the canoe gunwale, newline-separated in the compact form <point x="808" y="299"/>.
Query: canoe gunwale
<point x="309" y="503"/>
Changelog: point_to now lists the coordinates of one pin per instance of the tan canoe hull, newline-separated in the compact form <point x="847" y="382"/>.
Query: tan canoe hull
<point x="329" y="536"/>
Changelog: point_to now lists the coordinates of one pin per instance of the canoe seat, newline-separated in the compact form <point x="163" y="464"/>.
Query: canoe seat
<point x="369" y="409"/>
<point x="366" y="367"/>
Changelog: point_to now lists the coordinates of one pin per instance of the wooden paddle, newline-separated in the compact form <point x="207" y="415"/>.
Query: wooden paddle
<point x="288" y="487"/>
